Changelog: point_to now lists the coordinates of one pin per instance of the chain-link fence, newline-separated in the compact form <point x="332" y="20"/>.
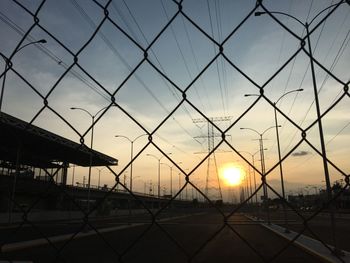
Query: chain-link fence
<point x="59" y="221"/>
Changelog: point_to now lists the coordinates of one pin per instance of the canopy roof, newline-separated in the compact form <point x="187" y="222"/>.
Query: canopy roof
<point x="40" y="148"/>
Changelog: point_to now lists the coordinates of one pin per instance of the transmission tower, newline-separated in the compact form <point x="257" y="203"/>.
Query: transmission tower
<point x="211" y="143"/>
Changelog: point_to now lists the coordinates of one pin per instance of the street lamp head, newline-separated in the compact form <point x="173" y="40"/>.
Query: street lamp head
<point x="303" y="89"/>
<point x="73" y="108"/>
<point x="251" y="95"/>
<point x="259" y="13"/>
<point x="42" y="41"/>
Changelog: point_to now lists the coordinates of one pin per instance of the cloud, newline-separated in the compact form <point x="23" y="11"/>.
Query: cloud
<point x="301" y="153"/>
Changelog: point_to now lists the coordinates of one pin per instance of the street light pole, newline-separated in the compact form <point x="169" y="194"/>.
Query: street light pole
<point x="158" y="178"/>
<point x="279" y="159"/>
<point x="7" y="62"/>
<point x="252" y="155"/>
<point x="158" y="193"/>
<point x="180" y="185"/>
<point x="125" y="176"/>
<point x="264" y="176"/>
<point x="179" y="181"/>
<point x="131" y="154"/>
<point x="262" y="161"/>
<point x="158" y="159"/>
<point x="99" y="176"/>
<point x="277" y="133"/>
<point x="318" y="111"/>
<point x="91" y="146"/>
<point x="323" y="145"/>
<point x="171" y="178"/>
<point x="279" y="150"/>
<point x="73" y="174"/>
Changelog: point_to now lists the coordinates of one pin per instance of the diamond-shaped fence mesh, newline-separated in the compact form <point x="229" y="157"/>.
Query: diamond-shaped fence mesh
<point x="227" y="122"/>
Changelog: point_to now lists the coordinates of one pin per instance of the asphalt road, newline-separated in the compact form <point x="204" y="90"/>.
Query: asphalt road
<point x="195" y="238"/>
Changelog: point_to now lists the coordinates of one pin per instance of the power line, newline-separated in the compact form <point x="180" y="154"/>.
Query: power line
<point x="116" y="52"/>
<point x="335" y="61"/>
<point x="223" y="64"/>
<point x="124" y="20"/>
<point x="339" y="56"/>
<point x="338" y="133"/>
<point x="182" y="56"/>
<point x="280" y="51"/>
<point x="73" y="72"/>
<point x="196" y="63"/>
<point x="51" y="55"/>
<point x="303" y="78"/>
<point x="216" y="61"/>
<point x="171" y="88"/>
<point x="328" y="142"/>
<point x="160" y="65"/>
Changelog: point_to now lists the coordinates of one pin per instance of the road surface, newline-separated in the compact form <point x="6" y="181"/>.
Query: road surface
<point x="200" y="237"/>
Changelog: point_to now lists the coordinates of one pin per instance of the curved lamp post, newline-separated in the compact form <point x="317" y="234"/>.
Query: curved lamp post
<point x="7" y="62"/>
<point x="41" y="41"/>
<point x="131" y="153"/>
<point x="318" y="111"/>
<point x="279" y="148"/>
<point x="262" y="160"/>
<point x="261" y="144"/>
<point x="91" y="146"/>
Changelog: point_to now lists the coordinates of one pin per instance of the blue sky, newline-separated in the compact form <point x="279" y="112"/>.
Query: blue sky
<point x="258" y="48"/>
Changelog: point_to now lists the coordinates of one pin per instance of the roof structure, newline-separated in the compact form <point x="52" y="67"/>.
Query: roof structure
<point x="37" y="147"/>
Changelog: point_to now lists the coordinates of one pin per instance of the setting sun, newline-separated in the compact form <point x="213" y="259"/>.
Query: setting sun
<point x="232" y="175"/>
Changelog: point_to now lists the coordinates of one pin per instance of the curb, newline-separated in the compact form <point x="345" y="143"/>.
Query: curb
<point x="306" y="243"/>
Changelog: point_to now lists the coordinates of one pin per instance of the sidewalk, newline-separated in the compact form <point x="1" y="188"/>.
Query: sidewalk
<point x="310" y="245"/>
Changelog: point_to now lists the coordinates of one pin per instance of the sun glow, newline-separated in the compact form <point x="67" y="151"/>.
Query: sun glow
<point x="232" y="175"/>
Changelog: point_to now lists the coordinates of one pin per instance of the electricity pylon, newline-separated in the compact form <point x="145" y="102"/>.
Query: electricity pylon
<point x="211" y="144"/>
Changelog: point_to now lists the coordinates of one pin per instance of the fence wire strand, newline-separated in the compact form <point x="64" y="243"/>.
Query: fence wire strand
<point x="155" y="216"/>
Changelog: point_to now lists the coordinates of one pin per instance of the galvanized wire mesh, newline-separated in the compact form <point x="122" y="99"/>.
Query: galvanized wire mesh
<point x="154" y="215"/>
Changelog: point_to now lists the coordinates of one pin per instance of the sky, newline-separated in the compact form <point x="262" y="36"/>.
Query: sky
<point x="111" y="60"/>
